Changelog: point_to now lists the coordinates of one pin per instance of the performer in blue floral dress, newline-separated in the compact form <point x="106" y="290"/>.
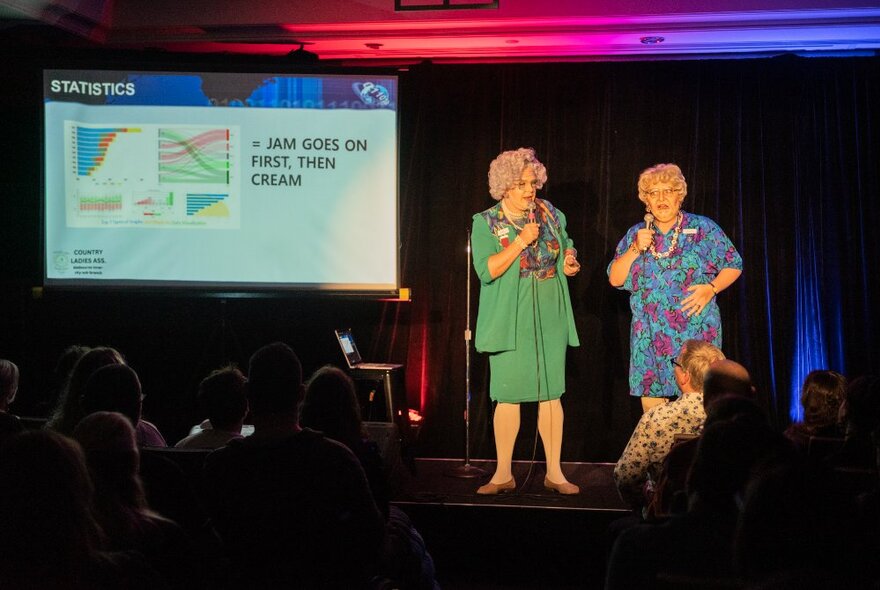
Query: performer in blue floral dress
<point x="673" y="270"/>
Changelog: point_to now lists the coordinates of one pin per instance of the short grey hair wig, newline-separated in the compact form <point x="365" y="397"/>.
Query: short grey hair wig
<point x="668" y="173"/>
<point x="507" y="168"/>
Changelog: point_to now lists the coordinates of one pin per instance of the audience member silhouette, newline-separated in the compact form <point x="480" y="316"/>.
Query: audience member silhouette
<point x="49" y="537"/>
<point x="861" y="416"/>
<point x="68" y="410"/>
<point x="698" y="543"/>
<point x="724" y="379"/>
<point x="331" y="406"/>
<point x="822" y="394"/>
<point x="58" y="379"/>
<point x="293" y="507"/>
<point x="869" y="517"/>
<point x="795" y="520"/>
<point x="113" y="458"/>
<point x="117" y="388"/>
<point x="224" y="402"/>
<point x="9" y="423"/>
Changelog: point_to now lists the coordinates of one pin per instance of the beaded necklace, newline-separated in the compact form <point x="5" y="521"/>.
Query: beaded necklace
<point x="510" y="217"/>
<point x="672" y="243"/>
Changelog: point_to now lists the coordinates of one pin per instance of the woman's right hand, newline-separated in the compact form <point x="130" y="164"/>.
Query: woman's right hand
<point x="530" y="233"/>
<point x="644" y="239"/>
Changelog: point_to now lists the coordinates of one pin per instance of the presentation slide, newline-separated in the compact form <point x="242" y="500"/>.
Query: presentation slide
<point x="221" y="180"/>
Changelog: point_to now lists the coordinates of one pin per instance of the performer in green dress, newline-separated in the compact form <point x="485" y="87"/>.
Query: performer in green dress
<point x="522" y="256"/>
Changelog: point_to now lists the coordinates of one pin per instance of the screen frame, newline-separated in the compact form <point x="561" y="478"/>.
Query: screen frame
<point x="220" y="289"/>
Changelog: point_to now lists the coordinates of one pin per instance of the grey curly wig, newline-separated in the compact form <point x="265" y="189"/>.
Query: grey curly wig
<point x="507" y="168"/>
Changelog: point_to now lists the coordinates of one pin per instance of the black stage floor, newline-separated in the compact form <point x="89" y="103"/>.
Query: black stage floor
<point x="530" y="538"/>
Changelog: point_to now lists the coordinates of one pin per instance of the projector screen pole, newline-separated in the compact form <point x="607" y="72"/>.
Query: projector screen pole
<point x="467" y="470"/>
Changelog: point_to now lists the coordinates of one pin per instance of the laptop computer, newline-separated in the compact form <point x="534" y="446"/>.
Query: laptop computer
<point x="353" y="357"/>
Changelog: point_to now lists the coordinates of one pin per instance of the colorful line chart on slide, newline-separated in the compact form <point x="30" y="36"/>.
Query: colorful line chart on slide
<point x="149" y="175"/>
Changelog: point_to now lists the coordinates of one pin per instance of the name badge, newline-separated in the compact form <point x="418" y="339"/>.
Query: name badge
<point x="689" y="231"/>
<point x="502" y="233"/>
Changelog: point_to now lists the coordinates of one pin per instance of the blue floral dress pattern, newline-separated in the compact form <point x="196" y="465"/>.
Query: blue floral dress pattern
<point x="657" y="287"/>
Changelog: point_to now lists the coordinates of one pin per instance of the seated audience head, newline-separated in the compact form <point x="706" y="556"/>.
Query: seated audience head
<point x="821" y="397"/>
<point x="726" y="377"/>
<point x="45" y="404"/>
<point x="8" y="383"/>
<point x="65" y="363"/>
<point x="45" y="505"/>
<point x="110" y="446"/>
<point x="114" y="388"/>
<point x="736" y="436"/>
<point x="274" y="383"/>
<point x="862" y="405"/>
<point x="331" y="406"/>
<point x="692" y="363"/>
<point x="68" y="410"/>
<point x="223" y="398"/>
<point x="730" y="405"/>
<point x="108" y="441"/>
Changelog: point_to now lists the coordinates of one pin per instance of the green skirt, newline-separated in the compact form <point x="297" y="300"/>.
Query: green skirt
<point x="535" y="369"/>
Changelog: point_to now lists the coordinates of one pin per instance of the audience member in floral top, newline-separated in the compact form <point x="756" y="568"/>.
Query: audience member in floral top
<point x="656" y="430"/>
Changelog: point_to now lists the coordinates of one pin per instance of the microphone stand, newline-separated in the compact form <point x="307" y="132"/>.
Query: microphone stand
<point x="467" y="471"/>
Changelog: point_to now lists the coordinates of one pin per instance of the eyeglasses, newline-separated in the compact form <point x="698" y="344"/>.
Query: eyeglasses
<point x="664" y="192"/>
<point x="675" y="363"/>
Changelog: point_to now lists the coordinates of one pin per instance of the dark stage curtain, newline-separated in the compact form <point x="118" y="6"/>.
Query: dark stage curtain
<point x="782" y="153"/>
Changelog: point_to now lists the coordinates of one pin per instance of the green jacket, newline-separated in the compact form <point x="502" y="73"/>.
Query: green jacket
<point x="496" y="325"/>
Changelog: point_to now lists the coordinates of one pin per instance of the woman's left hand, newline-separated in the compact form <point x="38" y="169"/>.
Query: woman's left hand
<point x="571" y="266"/>
<point x="697" y="301"/>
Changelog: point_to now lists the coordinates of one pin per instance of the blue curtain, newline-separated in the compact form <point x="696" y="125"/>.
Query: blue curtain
<point x="781" y="152"/>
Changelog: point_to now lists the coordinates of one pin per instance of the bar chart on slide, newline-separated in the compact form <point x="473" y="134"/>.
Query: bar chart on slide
<point x="154" y="203"/>
<point x="91" y="145"/>
<point x="206" y="205"/>
<point x="99" y="204"/>
<point x="151" y="175"/>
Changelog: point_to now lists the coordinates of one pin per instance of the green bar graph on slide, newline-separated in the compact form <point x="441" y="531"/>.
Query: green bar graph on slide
<point x="189" y="155"/>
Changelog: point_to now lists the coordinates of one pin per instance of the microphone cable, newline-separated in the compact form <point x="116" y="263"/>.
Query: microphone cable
<point x="536" y="314"/>
<point x="538" y="341"/>
<point x="537" y="433"/>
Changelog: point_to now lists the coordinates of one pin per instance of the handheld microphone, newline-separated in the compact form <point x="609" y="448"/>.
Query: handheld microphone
<point x="649" y="219"/>
<point x="532" y="219"/>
